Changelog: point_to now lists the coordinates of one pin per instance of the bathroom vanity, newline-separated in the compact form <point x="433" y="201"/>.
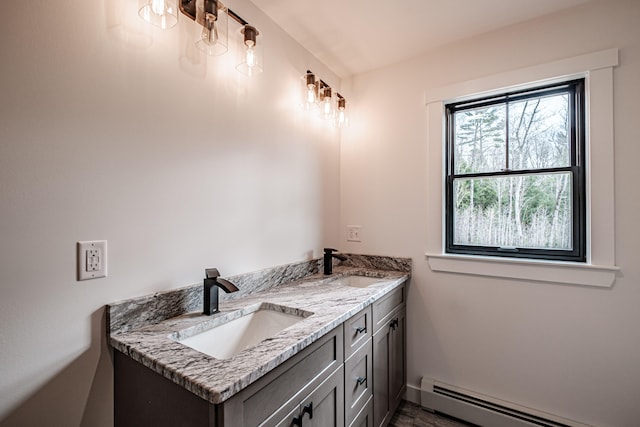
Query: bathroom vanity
<point x="340" y="362"/>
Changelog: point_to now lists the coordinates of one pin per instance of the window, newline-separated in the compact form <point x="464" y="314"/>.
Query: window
<point x="599" y="269"/>
<point x="515" y="174"/>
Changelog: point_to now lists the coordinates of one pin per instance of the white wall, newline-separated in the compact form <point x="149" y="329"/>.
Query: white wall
<point x="112" y="129"/>
<point x="572" y="351"/>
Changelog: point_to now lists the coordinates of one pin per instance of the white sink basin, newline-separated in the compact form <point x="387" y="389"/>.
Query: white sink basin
<point x="358" y="281"/>
<point x="236" y="334"/>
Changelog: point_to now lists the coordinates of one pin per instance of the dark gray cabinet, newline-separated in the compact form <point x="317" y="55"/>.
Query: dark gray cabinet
<point x="398" y="360"/>
<point x="315" y="375"/>
<point x="389" y="357"/>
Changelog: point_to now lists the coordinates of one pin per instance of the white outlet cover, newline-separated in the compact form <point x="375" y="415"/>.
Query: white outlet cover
<point x="92" y="259"/>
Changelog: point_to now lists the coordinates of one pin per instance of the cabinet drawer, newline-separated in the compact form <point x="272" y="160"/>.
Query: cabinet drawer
<point x="357" y="330"/>
<point x="292" y="380"/>
<point x="365" y="417"/>
<point x="383" y="308"/>
<point x="323" y="407"/>
<point x="358" y="381"/>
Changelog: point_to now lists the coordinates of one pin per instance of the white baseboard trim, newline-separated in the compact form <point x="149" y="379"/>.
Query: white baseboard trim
<point x="484" y="410"/>
<point x="412" y="394"/>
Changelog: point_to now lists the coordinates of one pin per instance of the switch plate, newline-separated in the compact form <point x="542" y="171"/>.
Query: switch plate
<point x="353" y="233"/>
<point x="92" y="259"/>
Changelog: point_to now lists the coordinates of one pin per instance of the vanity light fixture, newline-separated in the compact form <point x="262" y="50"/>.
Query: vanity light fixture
<point x="319" y="94"/>
<point x="213" y="16"/>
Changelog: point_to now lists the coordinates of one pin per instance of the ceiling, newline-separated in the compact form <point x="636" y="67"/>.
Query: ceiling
<point x="355" y="36"/>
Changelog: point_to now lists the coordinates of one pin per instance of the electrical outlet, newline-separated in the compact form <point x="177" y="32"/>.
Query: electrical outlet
<point x="92" y="259"/>
<point x="353" y="233"/>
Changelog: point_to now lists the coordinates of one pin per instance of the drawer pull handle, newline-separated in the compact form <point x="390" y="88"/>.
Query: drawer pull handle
<point x="361" y="380"/>
<point x="308" y="409"/>
<point x="361" y="329"/>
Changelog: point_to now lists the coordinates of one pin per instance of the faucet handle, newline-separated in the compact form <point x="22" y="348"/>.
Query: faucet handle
<point x="211" y="273"/>
<point x="329" y="250"/>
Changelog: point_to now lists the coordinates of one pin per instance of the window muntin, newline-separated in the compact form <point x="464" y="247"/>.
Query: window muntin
<point x="515" y="174"/>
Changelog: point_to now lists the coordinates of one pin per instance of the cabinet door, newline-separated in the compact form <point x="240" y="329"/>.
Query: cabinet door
<point x="381" y="369"/>
<point x="389" y="368"/>
<point x="397" y="360"/>
<point x="327" y="402"/>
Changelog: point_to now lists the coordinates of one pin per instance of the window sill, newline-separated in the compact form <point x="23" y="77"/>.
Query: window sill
<point x="541" y="271"/>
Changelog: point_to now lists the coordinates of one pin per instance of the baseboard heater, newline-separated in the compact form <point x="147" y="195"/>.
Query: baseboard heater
<point x="484" y="410"/>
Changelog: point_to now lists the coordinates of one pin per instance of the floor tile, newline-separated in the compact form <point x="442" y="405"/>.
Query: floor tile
<point x="412" y="415"/>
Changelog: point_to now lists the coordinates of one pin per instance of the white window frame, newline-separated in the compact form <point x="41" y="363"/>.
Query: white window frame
<point x="600" y="269"/>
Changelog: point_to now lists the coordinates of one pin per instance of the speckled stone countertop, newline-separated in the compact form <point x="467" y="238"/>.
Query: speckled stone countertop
<point x="155" y="345"/>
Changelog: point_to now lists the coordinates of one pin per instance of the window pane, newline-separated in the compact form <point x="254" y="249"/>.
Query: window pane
<point x="525" y="211"/>
<point x="479" y="144"/>
<point x="538" y="133"/>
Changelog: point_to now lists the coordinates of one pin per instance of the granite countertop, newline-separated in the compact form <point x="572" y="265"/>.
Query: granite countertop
<point x="215" y="380"/>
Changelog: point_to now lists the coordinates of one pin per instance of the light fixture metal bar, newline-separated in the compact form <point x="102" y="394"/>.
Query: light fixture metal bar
<point x="237" y="17"/>
<point x="323" y="84"/>
<point x="188" y="7"/>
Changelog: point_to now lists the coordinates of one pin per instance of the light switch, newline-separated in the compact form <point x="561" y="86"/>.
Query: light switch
<point x="353" y="233"/>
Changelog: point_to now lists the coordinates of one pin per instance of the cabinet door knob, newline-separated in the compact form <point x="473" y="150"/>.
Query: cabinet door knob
<point x="308" y="409"/>
<point x="361" y="380"/>
<point x="296" y="421"/>
<point x="394" y="323"/>
<point x="361" y="329"/>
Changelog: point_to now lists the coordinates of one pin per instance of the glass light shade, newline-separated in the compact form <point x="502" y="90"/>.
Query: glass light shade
<point x="250" y="53"/>
<point x="214" y="39"/>
<point x="342" y="117"/>
<point x="327" y="103"/>
<point x="161" y="13"/>
<point x="310" y="88"/>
